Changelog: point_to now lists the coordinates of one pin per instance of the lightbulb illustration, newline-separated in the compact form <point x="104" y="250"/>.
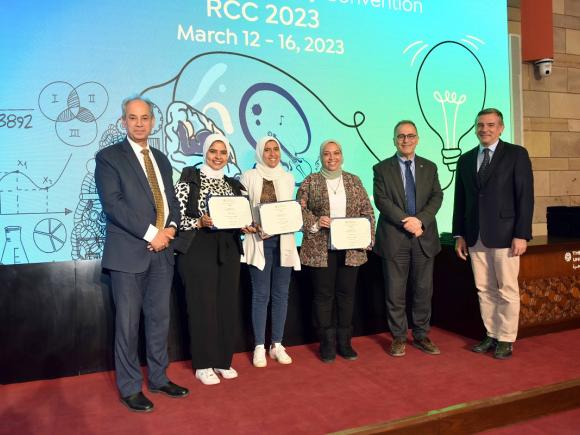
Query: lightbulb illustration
<point x="451" y="88"/>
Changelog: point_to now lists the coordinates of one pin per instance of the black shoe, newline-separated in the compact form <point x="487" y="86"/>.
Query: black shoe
<point x="138" y="403"/>
<point x="171" y="390"/>
<point x="344" y="347"/>
<point x="485" y="345"/>
<point x="503" y="350"/>
<point x="328" y="345"/>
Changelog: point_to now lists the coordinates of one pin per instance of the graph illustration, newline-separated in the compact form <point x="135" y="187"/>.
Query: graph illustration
<point x="21" y="194"/>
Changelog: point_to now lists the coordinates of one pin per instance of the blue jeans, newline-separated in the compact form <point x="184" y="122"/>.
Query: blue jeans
<point x="274" y="280"/>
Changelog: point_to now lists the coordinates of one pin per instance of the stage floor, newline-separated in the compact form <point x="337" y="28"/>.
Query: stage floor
<point x="307" y="397"/>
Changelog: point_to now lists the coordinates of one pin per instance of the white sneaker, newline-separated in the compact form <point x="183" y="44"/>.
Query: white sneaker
<point x="227" y="374"/>
<point x="260" y="356"/>
<point x="278" y="352"/>
<point x="207" y="376"/>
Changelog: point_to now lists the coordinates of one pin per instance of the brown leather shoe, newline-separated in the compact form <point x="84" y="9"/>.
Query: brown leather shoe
<point x="398" y="347"/>
<point x="426" y="345"/>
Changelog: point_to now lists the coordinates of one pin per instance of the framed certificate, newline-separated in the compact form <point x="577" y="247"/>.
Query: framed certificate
<point x="229" y="212"/>
<point x="280" y="217"/>
<point x="350" y="233"/>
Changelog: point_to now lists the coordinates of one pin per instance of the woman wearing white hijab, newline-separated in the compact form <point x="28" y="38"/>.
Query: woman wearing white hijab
<point x="270" y="259"/>
<point x="209" y="264"/>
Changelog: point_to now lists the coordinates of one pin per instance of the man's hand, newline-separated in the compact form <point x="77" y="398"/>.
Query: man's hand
<point x="412" y="225"/>
<point x="519" y="246"/>
<point x="161" y="240"/>
<point x="170" y="232"/>
<point x="418" y="233"/>
<point x="461" y="248"/>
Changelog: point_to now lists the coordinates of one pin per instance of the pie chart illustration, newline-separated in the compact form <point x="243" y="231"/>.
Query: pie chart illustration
<point x="49" y="235"/>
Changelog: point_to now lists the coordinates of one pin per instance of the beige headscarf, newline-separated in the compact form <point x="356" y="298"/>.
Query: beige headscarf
<point x="330" y="175"/>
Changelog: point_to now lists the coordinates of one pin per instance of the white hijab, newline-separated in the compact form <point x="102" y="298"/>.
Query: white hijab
<point x="205" y="168"/>
<point x="264" y="170"/>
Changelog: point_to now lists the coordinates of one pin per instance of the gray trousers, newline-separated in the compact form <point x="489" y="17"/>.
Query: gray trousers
<point x="410" y="263"/>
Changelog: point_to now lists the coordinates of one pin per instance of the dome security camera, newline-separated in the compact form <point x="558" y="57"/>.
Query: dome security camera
<point x="544" y="66"/>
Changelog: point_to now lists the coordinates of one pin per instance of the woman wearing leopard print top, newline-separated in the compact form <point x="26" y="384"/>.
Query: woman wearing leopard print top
<point x="209" y="265"/>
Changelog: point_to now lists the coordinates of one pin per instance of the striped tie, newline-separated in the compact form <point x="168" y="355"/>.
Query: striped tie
<point x="160" y="220"/>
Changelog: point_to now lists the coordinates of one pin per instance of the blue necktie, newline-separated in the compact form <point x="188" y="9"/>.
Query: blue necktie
<point x="409" y="189"/>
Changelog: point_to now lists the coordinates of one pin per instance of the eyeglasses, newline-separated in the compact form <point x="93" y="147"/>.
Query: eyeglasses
<point x="402" y="137"/>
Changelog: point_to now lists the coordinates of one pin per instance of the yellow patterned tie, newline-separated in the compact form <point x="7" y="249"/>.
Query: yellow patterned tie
<point x="160" y="221"/>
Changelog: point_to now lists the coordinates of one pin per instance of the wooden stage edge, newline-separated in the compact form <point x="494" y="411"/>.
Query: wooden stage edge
<point x="480" y="415"/>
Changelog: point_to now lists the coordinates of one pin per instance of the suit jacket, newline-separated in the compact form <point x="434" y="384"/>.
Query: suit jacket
<point x="313" y="197"/>
<point x="129" y="206"/>
<point x="389" y="196"/>
<point x="501" y="207"/>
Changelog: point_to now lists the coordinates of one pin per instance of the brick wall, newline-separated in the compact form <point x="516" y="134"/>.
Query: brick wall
<point x="552" y="113"/>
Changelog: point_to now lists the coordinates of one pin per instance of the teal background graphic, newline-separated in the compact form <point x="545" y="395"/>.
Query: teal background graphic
<point x="66" y="66"/>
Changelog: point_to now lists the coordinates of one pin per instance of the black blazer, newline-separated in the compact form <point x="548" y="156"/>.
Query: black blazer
<point x="499" y="209"/>
<point x="389" y="197"/>
<point x="128" y="203"/>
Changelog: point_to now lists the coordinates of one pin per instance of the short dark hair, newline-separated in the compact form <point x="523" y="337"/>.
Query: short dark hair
<point x="403" y="121"/>
<point x="136" y="98"/>
<point x="490" y="111"/>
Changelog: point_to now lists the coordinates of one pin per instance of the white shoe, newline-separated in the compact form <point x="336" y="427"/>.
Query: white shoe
<point x="260" y="356"/>
<point x="207" y="376"/>
<point x="278" y="352"/>
<point x="227" y="374"/>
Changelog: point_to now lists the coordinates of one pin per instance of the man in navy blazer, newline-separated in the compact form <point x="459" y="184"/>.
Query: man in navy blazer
<point x="135" y="187"/>
<point x="492" y="223"/>
<point x="408" y="195"/>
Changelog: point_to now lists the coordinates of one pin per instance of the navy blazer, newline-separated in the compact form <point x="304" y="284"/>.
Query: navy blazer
<point x="129" y="206"/>
<point x="499" y="208"/>
<point x="389" y="197"/>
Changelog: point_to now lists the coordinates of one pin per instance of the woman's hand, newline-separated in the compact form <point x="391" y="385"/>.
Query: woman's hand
<point x="205" y="222"/>
<point x="261" y="232"/>
<point x="324" y="222"/>
<point x="248" y="229"/>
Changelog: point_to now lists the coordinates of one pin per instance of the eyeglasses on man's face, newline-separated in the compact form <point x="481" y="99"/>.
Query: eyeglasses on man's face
<point x="402" y="137"/>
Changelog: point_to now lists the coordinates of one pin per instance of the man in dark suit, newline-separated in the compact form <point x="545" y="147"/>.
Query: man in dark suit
<point x="135" y="187"/>
<point x="492" y="222"/>
<point x="407" y="194"/>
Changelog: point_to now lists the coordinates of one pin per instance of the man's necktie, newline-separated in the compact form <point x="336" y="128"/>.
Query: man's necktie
<point x="409" y="189"/>
<point x="160" y="220"/>
<point x="484" y="165"/>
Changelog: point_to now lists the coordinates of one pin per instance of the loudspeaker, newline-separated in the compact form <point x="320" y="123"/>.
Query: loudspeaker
<point x="563" y="221"/>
